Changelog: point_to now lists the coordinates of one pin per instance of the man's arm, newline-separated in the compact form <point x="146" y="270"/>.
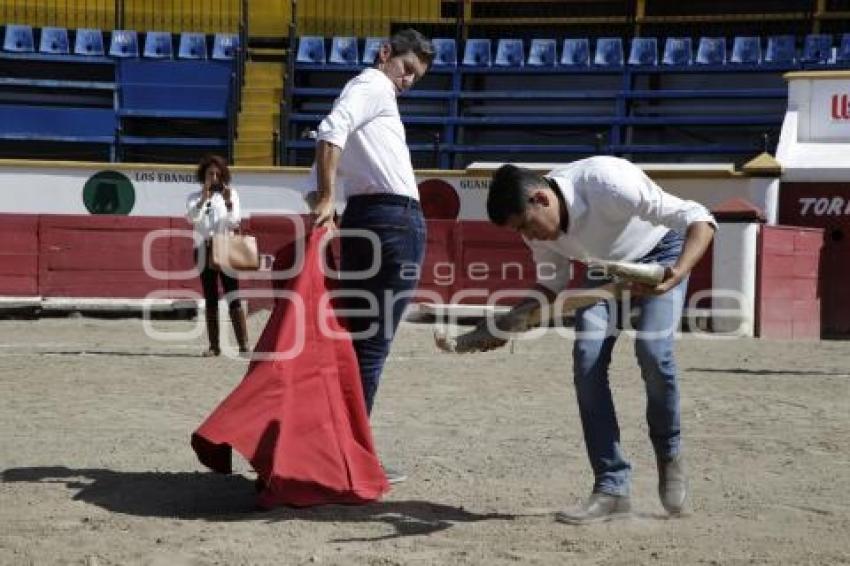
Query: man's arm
<point x="327" y="161"/>
<point x="697" y="239"/>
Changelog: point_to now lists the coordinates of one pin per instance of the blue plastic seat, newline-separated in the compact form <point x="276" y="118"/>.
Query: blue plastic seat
<point x="311" y="49"/>
<point x="89" y="41"/>
<point x="678" y="51"/>
<point x="817" y="48"/>
<point x="18" y="39"/>
<point x="510" y="53"/>
<point x="192" y="46"/>
<point x="842" y="54"/>
<point x="542" y="53"/>
<point x="575" y="51"/>
<point x="344" y="51"/>
<point x="371" y="48"/>
<point x="158" y="45"/>
<point x="644" y="51"/>
<point x="54" y="40"/>
<point x="746" y="50"/>
<point x="224" y="46"/>
<point x="445" y="51"/>
<point x="609" y="52"/>
<point x="711" y="51"/>
<point x="476" y="53"/>
<point x="124" y="43"/>
<point x="780" y="49"/>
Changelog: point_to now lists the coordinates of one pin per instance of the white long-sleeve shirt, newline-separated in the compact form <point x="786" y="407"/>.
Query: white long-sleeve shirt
<point x="366" y="125"/>
<point x="212" y="217"/>
<point x="616" y="212"/>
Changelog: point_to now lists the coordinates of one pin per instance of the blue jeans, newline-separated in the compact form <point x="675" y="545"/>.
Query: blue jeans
<point x="596" y="332"/>
<point x="399" y="226"/>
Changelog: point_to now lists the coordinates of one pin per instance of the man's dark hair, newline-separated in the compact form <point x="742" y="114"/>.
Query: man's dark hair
<point x="408" y="40"/>
<point x="209" y="160"/>
<point x="509" y="191"/>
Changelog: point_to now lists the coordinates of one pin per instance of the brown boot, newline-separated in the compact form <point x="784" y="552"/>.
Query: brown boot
<point x="212" y="334"/>
<point x="240" y="328"/>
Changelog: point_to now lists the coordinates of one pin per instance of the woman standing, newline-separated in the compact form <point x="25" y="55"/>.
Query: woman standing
<point x="215" y="210"/>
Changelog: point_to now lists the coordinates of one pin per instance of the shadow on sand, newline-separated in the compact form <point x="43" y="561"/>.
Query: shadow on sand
<point x="216" y="497"/>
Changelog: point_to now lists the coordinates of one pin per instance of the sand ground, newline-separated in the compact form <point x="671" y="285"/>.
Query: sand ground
<point x="96" y="467"/>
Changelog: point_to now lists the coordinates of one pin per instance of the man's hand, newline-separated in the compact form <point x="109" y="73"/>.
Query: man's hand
<point x="672" y="277"/>
<point x="324" y="211"/>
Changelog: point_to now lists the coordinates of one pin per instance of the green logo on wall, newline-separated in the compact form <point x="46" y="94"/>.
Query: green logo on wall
<point x="109" y="192"/>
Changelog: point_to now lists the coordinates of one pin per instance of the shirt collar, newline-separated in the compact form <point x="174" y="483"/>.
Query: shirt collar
<point x="567" y="191"/>
<point x="386" y="80"/>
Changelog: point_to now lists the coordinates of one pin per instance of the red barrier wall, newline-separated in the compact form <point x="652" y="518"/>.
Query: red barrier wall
<point x="19" y="255"/>
<point x="825" y="205"/>
<point x="103" y="256"/>
<point x="98" y="256"/>
<point x="788" y="303"/>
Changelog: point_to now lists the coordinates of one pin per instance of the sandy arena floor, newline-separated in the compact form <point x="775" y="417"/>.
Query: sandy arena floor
<point x="96" y="466"/>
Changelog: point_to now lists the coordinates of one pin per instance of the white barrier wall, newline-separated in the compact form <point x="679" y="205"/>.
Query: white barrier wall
<point x="161" y="190"/>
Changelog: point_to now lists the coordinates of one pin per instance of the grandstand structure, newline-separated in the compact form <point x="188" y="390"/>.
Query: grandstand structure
<point x="544" y="80"/>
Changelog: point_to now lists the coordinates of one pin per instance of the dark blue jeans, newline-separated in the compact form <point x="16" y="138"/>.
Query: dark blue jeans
<point x="395" y="259"/>
<point x="596" y="333"/>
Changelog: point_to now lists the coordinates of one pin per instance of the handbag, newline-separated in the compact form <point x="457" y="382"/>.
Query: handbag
<point x="234" y="252"/>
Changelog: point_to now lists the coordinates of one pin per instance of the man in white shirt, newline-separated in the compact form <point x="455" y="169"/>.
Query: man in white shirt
<point x="363" y="139"/>
<point x="607" y="208"/>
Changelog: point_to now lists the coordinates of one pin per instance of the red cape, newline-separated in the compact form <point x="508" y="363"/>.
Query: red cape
<point x="299" y="418"/>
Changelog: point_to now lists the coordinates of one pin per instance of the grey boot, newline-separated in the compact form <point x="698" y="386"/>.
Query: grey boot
<point x="600" y="507"/>
<point x="672" y="483"/>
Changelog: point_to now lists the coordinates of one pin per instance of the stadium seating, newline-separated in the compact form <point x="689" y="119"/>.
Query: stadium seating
<point x="817" y="48"/>
<point x="746" y="50"/>
<point x="542" y="53"/>
<point x="445" y="51"/>
<point x="678" y="51"/>
<point x="311" y="49"/>
<point x="192" y="46"/>
<point x="609" y="52"/>
<point x="158" y="45"/>
<point x="780" y="49"/>
<point x="711" y="51"/>
<point x="644" y="51"/>
<point x="477" y="53"/>
<point x="54" y="40"/>
<point x="173" y="104"/>
<point x="125" y="43"/>
<point x="224" y="45"/>
<point x="89" y="41"/>
<point x="20" y="122"/>
<point x="59" y="126"/>
<point x="371" y="48"/>
<point x="842" y="54"/>
<point x="510" y="53"/>
<point x="576" y="51"/>
<point x="18" y="39"/>
<point x="344" y="51"/>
